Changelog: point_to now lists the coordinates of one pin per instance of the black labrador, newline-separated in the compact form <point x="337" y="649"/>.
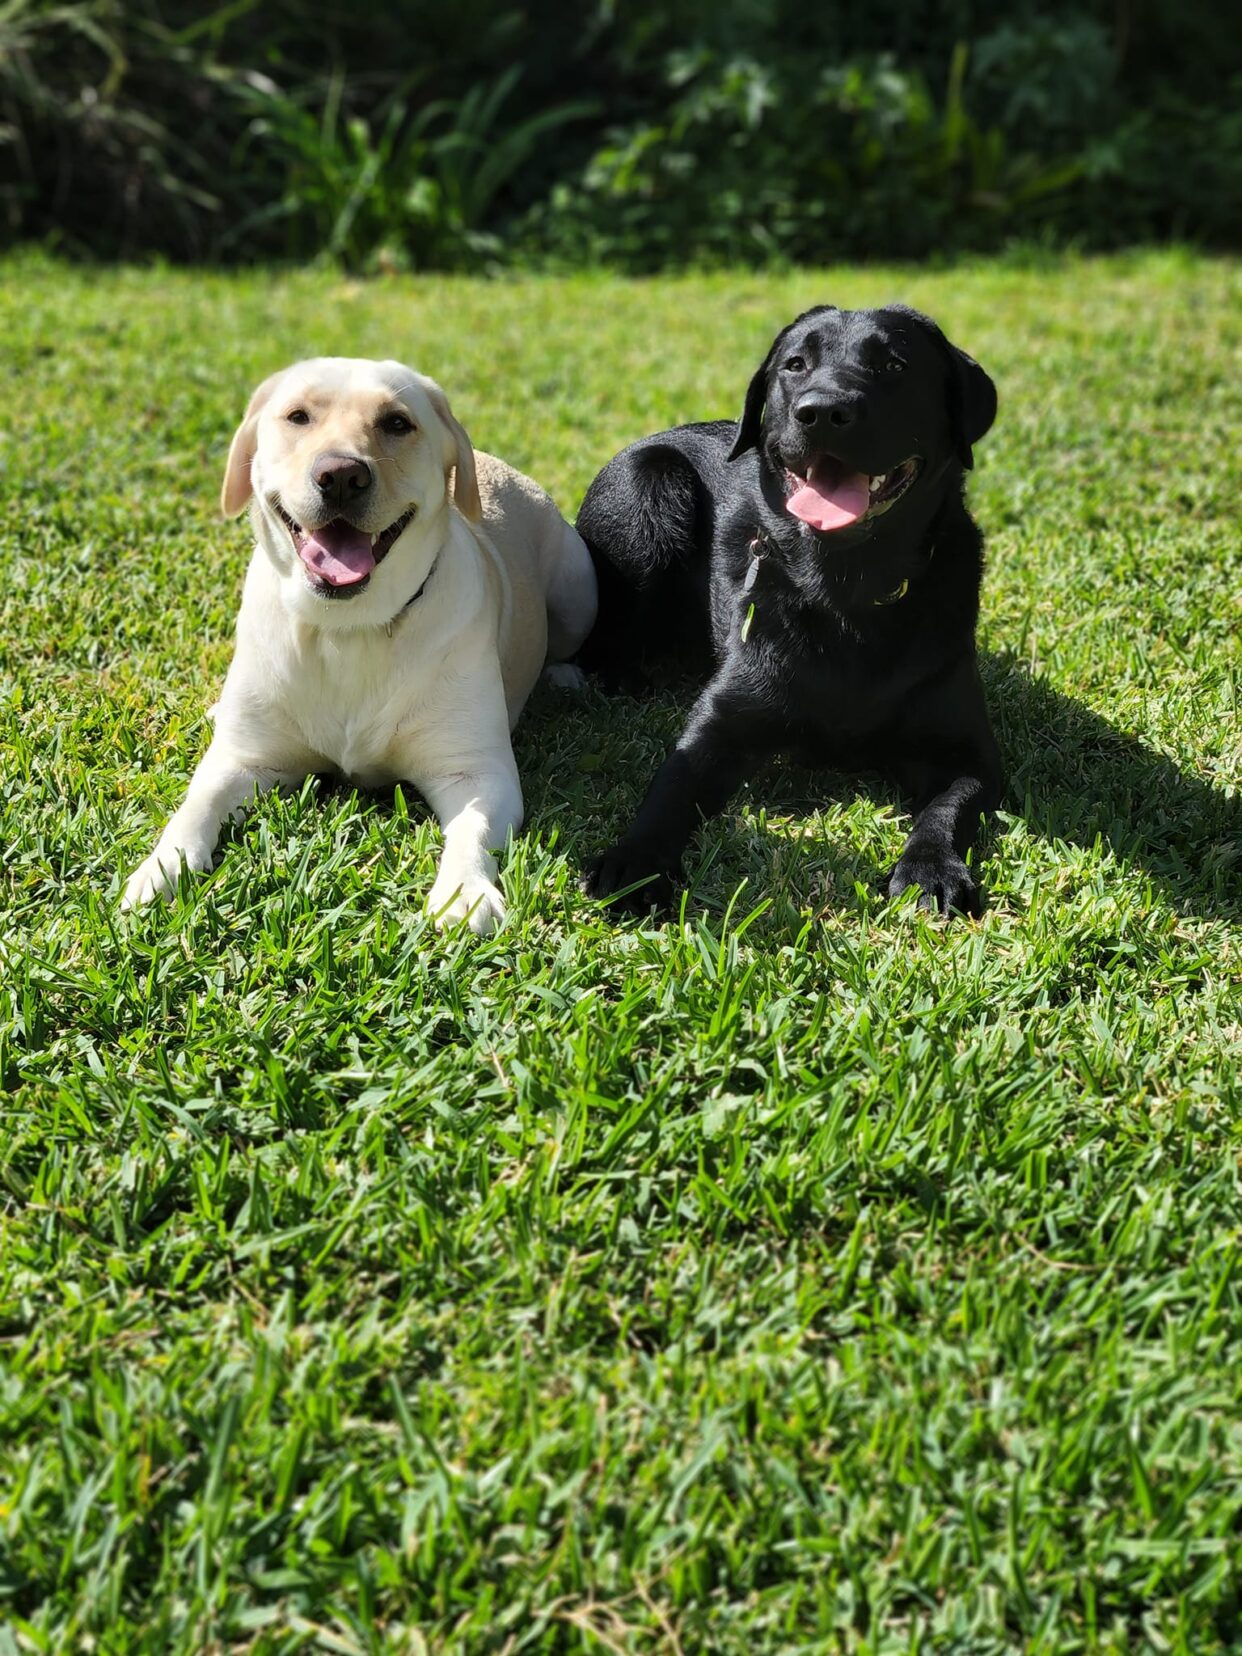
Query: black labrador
<point x="818" y="563"/>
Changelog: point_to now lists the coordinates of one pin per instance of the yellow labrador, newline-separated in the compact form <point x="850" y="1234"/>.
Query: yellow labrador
<point x="386" y="632"/>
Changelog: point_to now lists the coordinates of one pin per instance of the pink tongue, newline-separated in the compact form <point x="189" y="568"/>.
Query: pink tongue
<point x="338" y="553"/>
<point x="838" y="497"/>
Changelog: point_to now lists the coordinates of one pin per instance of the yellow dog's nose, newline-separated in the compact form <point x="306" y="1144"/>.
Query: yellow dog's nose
<point x="340" y="477"/>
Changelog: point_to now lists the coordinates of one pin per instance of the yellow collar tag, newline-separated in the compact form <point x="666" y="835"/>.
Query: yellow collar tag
<point x="894" y="597"/>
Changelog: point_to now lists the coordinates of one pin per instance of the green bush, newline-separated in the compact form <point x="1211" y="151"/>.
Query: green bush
<point x="752" y="161"/>
<point x="418" y="135"/>
<point x="401" y="188"/>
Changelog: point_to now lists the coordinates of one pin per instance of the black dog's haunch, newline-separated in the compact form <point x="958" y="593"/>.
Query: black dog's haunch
<point x="820" y="556"/>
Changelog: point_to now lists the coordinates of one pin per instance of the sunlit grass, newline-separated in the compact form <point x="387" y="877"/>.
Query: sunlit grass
<point x="804" y="1275"/>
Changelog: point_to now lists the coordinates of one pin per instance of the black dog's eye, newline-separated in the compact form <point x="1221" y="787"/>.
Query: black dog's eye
<point x="298" y="416"/>
<point x="894" y="365"/>
<point x="396" y="425"/>
<point x="795" y="364"/>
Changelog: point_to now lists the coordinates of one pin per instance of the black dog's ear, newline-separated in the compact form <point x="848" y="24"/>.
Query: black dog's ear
<point x="751" y="422"/>
<point x="972" y="402"/>
<point x="972" y="395"/>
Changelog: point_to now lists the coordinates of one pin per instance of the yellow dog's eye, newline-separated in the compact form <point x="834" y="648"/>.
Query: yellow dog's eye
<point x="396" y="425"/>
<point x="298" y="416"/>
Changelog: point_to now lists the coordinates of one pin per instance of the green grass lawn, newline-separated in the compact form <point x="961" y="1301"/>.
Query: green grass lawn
<point x="805" y="1275"/>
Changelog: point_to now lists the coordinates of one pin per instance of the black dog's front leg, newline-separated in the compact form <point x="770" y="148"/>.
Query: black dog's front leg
<point x="934" y="856"/>
<point x="948" y="760"/>
<point x="721" y="746"/>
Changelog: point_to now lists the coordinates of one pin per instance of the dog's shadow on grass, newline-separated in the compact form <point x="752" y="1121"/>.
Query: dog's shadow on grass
<point x="1076" y="777"/>
<point x="1072" y="776"/>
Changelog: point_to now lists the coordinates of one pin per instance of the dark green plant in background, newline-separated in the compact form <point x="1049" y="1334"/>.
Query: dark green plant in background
<point x="864" y="160"/>
<point x="406" y="185"/>
<point x="85" y="139"/>
<point x="288" y="129"/>
<point x="645" y="134"/>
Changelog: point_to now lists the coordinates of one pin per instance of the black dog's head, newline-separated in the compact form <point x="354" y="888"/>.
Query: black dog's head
<point x="857" y="409"/>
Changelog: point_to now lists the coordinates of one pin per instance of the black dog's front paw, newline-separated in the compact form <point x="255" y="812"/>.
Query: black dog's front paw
<point x="634" y="876"/>
<point x="942" y="877"/>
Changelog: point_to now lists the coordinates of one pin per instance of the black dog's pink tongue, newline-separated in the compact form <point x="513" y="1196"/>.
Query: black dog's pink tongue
<point x="831" y="496"/>
<point x="338" y="553"/>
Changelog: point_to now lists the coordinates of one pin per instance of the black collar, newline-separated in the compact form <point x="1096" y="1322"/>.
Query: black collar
<point x="389" y="625"/>
<point x="763" y="544"/>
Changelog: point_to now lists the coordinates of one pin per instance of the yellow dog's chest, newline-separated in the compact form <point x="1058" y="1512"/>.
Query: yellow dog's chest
<point x="355" y="712"/>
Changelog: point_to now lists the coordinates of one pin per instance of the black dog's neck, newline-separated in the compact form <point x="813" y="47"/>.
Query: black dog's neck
<point x="856" y="570"/>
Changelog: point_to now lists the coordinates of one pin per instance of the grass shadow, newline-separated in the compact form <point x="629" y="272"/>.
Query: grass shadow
<point x="1072" y="776"/>
<point x="1076" y="777"/>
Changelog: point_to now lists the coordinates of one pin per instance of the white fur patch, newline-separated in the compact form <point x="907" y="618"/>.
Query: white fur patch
<point x="565" y="675"/>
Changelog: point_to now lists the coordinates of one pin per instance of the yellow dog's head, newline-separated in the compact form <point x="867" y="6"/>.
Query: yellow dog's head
<point x="343" y="462"/>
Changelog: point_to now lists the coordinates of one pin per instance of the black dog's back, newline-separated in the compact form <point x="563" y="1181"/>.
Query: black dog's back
<point x="649" y="521"/>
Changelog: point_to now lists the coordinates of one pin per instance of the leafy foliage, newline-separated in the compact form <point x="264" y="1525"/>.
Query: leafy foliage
<point x="416" y="135"/>
<point x="753" y="161"/>
<point x="393" y="189"/>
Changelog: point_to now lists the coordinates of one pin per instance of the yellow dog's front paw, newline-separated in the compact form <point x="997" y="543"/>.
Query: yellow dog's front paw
<point x="473" y="899"/>
<point x="155" y="879"/>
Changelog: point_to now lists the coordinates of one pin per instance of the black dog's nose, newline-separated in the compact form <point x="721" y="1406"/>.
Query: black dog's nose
<point x="817" y="409"/>
<point x="340" y="477"/>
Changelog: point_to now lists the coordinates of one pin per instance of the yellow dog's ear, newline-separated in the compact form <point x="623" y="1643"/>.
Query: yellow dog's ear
<point x="459" y="456"/>
<point x="237" y="487"/>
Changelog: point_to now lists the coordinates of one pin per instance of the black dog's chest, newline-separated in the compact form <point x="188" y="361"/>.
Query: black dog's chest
<point x="828" y="692"/>
<point x="820" y="673"/>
